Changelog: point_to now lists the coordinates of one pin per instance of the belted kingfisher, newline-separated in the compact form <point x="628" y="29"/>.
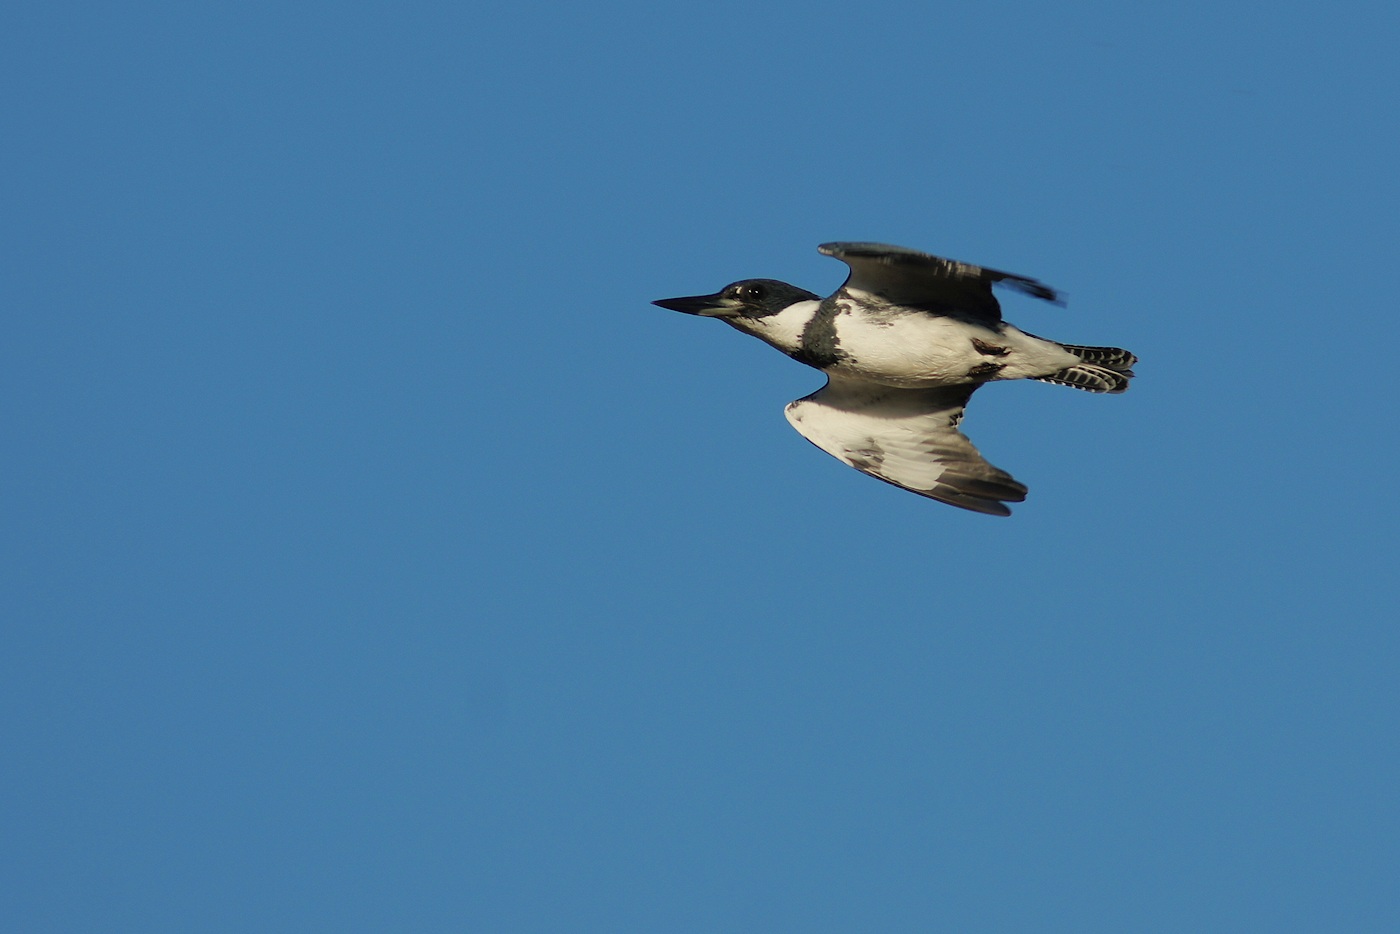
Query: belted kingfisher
<point x="904" y="343"/>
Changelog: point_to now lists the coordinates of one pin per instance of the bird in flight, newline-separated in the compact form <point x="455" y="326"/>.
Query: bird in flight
<point x="904" y="343"/>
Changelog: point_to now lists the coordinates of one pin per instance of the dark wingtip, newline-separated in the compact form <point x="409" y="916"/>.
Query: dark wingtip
<point x="1032" y="287"/>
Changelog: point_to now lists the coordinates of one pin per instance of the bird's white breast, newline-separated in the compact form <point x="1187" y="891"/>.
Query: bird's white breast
<point x="908" y="349"/>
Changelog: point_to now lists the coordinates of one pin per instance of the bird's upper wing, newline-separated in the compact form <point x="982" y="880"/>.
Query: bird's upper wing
<point x="943" y="286"/>
<point x="908" y="437"/>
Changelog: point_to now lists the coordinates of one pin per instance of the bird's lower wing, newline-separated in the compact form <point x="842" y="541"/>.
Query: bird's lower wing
<point x="907" y="437"/>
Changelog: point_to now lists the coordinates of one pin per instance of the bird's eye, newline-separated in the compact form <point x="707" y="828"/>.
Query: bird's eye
<point x="751" y="292"/>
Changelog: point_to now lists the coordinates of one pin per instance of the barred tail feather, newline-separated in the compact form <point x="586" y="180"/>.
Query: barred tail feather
<point x="1104" y="369"/>
<point x="1115" y="358"/>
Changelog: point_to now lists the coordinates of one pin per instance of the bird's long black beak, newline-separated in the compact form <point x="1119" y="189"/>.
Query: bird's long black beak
<point x="709" y="306"/>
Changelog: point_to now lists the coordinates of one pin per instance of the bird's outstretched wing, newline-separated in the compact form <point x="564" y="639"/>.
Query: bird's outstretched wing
<point x="942" y="286"/>
<point x="907" y="437"/>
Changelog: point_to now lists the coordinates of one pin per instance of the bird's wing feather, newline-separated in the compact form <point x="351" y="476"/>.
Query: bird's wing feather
<point x="943" y="286"/>
<point x="907" y="437"/>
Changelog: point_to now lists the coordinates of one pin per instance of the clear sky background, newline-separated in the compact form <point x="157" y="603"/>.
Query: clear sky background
<point x="376" y="557"/>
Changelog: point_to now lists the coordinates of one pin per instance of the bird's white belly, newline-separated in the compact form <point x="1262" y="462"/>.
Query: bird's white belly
<point x="909" y="350"/>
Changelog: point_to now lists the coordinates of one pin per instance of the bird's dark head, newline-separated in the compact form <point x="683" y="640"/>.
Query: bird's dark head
<point x="747" y="298"/>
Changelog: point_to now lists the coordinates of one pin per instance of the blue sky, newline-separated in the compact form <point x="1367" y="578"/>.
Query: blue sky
<point x="377" y="557"/>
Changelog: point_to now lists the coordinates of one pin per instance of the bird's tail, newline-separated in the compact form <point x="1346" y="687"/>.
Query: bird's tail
<point x="1101" y="369"/>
